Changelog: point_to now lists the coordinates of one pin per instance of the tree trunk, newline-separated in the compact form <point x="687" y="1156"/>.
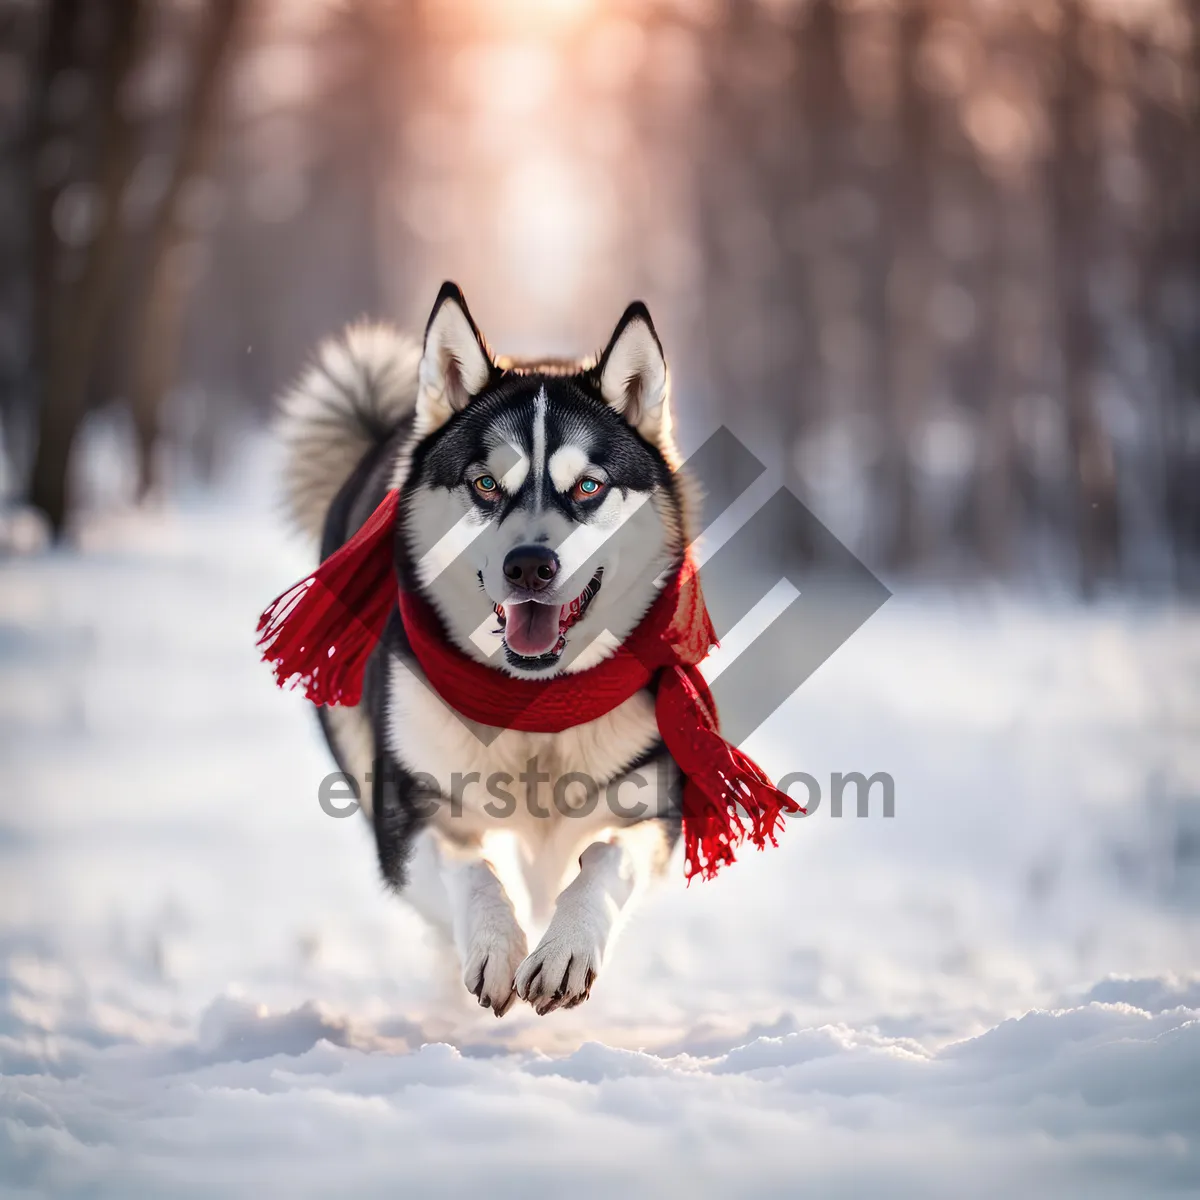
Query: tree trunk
<point x="1073" y="189"/>
<point x="158" y="330"/>
<point x="72" y="323"/>
<point x="995" y="496"/>
<point x="907" y="336"/>
<point x="45" y="190"/>
<point x="56" y="57"/>
<point x="1183" y="489"/>
<point x="821" y="112"/>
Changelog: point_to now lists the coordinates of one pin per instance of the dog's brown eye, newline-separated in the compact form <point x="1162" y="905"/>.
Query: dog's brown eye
<point x="485" y="485"/>
<point x="587" y="489"/>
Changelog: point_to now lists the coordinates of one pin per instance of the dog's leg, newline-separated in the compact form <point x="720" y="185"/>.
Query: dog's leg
<point x="587" y="915"/>
<point x="490" y="940"/>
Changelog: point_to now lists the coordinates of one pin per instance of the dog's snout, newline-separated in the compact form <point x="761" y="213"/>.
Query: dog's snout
<point x="530" y="567"/>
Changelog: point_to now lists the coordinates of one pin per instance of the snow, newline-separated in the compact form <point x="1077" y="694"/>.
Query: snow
<point x="206" y="991"/>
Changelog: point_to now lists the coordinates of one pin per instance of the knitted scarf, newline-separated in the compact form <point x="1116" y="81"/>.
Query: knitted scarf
<point x="321" y="631"/>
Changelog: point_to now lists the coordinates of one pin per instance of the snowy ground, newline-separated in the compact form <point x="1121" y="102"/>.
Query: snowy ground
<point x="205" y="991"/>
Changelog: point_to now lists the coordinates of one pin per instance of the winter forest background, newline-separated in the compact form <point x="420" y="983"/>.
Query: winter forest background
<point x="938" y="260"/>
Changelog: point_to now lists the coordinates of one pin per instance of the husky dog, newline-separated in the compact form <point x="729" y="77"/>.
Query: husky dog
<point x="541" y="509"/>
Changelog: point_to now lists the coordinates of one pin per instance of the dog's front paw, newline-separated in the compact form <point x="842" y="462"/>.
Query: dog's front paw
<point x="493" y="955"/>
<point x="561" y="970"/>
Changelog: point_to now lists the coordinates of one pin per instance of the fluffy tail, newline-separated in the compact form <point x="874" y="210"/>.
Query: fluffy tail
<point x="361" y="386"/>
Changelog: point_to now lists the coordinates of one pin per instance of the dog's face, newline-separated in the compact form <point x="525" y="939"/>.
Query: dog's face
<point x="541" y="511"/>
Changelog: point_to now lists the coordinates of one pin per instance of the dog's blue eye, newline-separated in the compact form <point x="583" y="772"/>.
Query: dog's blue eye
<point x="587" y="488"/>
<point x="485" y="484"/>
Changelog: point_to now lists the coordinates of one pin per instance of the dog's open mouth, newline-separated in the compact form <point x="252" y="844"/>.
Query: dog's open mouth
<point x="539" y="631"/>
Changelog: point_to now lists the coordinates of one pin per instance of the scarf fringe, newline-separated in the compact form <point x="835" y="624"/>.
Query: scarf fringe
<point x="718" y="820"/>
<point x="321" y="631"/>
<point x="727" y="799"/>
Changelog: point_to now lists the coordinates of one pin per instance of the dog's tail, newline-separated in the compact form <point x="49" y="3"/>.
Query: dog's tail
<point x="360" y="387"/>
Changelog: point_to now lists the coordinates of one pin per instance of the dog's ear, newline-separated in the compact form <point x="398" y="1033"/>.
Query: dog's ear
<point x="455" y="365"/>
<point x="633" y="374"/>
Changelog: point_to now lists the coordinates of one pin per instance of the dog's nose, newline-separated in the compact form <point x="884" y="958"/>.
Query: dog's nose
<point x="530" y="567"/>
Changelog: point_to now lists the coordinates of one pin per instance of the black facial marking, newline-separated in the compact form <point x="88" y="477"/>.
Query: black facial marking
<point x="504" y="415"/>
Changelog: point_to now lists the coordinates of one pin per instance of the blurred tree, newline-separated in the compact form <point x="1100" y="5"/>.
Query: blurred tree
<point x="69" y="312"/>
<point x="906" y="331"/>
<point x="20" y="31"/>
<point x="993" y="197"/>
<point x="158" y="328"/>
<point x="768" y="157"/>
<point x="822" y="141"/>
<point x="1074" y="187"/>
<point x="1167" y="93"/>
<point x="1184" y="495"/>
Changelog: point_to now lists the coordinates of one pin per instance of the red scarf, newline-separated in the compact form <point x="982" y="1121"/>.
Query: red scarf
<point x="321" y="631"/>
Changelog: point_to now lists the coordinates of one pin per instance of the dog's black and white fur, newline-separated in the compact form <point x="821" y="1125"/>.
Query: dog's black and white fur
<point x="541" y="511"/>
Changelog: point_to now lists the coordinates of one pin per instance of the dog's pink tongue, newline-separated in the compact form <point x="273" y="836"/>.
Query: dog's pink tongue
<point x="531" y="629"/>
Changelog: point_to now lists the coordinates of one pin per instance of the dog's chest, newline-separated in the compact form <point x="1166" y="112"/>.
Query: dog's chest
<point x="559" y="775"/>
